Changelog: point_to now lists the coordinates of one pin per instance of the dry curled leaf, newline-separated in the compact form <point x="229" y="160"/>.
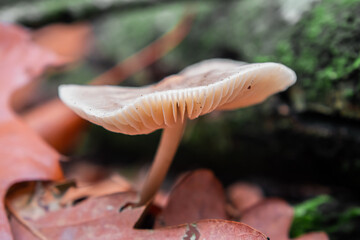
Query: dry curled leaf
<point x="22" y="61"/>
<point x="24" y="156"/>
<point x="198" y="195"/>
<point x="52" y="120"/>
<point x="99" y="218"/>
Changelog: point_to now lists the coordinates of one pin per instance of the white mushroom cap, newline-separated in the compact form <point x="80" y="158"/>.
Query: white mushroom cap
<point x="216" y="84"/>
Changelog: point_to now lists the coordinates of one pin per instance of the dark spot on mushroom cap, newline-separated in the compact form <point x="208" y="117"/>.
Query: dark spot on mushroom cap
<point x="249" y="87"/>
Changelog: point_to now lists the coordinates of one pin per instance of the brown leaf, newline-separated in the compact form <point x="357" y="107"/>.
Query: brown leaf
<point x="56" y="124"/>
<point x="18" y="65"/>
<point x="313" y="236"/>
<point x="98" y="218"/>
<point x="59" y="126"/>
<point x="67" y="42"/>
<point x="244" y="195"/>
<point x="24" y="156"/>
<point x="274" y="217"/>
<point x="199" y="195"/>
<point x="70" y="41"/>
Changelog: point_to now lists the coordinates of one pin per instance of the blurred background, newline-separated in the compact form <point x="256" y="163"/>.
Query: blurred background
<point x="300" y="145"/>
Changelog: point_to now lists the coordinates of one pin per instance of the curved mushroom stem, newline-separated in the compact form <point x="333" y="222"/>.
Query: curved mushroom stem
<point x="165" y="153"/>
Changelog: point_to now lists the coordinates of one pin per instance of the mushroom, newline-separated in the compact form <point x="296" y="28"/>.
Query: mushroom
<point x="216" y="84"/>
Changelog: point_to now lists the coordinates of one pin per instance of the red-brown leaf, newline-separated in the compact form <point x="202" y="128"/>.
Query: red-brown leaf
<point x="198" y="195"/>
<point x="24" y="156"/>
<point x="273" y="217"/>
<point x="98" y="218"/>
<point x="56" y="124"/>
<point x="244" y="195"/>
<point x="21" y="62"/>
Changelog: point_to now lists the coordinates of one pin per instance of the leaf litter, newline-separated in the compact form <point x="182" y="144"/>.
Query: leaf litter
<point x="63" y="210"/>
<point x="24" y="155"/>
<point x="99" y="218"/>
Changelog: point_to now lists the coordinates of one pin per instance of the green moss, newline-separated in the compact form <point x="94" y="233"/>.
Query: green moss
<point x="324" y="213"/>
<point x="308" y="217"/>
<point x="324" y="51"/>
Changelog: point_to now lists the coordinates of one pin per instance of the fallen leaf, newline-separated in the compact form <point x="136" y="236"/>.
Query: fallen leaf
<point x="313" y="236"/>
<point x="273" y="217"/>
<point x="70" y="41"/>
<point x="17" y="64"/>
<point x="244" y="195"/>
<point x="34" y="198"/>
<point x="56" y="124"/>
<point x="24" y="156"/>
<point x="113" y="184"/>
<point x="98" y="218"/>
<point x="198" y="195"/>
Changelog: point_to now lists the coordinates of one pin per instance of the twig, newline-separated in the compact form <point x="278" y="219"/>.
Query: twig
<point x="149" y="54"/>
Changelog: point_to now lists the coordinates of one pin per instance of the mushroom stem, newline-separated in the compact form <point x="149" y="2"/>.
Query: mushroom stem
<point x="165" y="153"/>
